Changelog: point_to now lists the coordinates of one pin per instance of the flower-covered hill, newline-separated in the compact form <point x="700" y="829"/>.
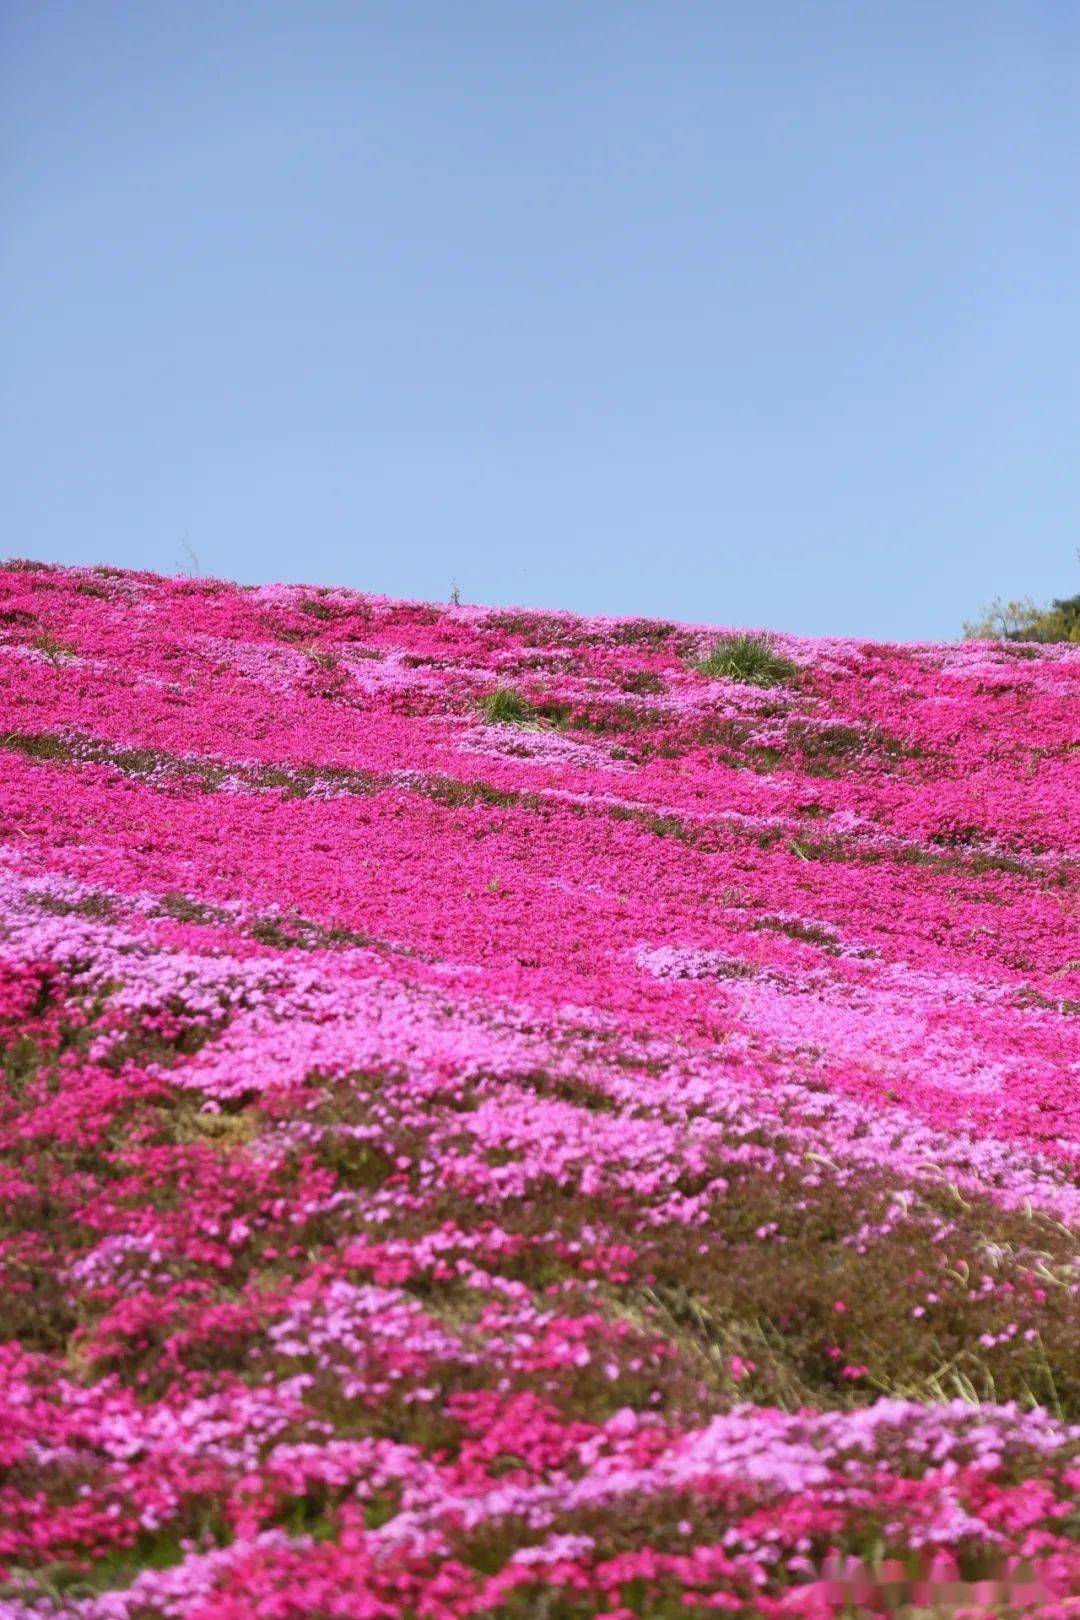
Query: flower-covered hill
<point x="513" y="1115"/>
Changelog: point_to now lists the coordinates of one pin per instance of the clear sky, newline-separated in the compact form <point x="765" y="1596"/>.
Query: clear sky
<point x="758" y="313"/>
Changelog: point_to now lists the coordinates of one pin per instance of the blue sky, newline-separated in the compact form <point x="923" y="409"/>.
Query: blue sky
<point x="748" y="313"/>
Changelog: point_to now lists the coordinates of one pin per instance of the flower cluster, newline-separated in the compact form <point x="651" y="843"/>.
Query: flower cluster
<point x="498" y="1121"/>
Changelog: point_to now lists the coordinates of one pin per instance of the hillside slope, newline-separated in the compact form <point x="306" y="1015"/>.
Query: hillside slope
<point x="501" y="1121"/>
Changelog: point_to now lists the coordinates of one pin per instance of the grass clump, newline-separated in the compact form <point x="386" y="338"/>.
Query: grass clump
<point x="54" y="649"/>
<point x="505" y="707"/>
<point x="752" y="659"/>
<point x="37" y="745"/>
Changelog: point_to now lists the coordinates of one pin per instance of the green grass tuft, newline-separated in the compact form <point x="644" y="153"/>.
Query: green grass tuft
<point x="505" y="707"/>
<point x="749" y="658"/>
<point x="53" y="648"/>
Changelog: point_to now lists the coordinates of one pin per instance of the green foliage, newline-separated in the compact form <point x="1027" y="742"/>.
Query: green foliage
<point x="44" y="745"/>
<point x="506" y="707"/>
<point x="1023" y="620"/>
<point x="752" y="659"/>
<point x="53" y="648"/>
